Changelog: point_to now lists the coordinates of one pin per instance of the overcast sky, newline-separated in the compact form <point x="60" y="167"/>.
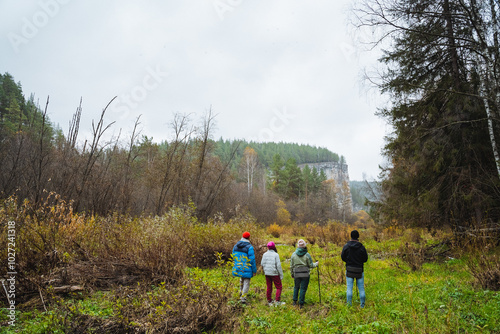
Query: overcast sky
<point x="282" y="70"/>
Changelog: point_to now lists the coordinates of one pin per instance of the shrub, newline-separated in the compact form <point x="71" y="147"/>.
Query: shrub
<point x="275" y="230"/>
<point x="485" y="268"/>
<point x="295" y="229"/>
<point x="190" y="307"/>
<point x="282" y="214"/>
<point x="40" y="248"/>
<point x="363" y="220"/>
<point x="338" y="233"/>
<point x="413" y="235"/>
<point x="333" y="232"/>
<point x="413" y="256"/>
<point x="479" y="247"/>
<point x="57" y="246"/>
<point x="333" y="269"/>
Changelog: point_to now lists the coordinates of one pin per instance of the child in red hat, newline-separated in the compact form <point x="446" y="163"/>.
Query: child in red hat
<point x="245" y="266"/>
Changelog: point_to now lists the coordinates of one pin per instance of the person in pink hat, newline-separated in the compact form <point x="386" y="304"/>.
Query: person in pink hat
<point x="271" y="265"/>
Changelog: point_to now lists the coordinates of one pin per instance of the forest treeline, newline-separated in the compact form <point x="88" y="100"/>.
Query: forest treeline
<point x="136" y="176"/>
<point x="266" y="151"/>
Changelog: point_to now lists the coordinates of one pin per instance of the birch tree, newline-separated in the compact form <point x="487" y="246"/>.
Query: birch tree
<point x="251" y="159"/>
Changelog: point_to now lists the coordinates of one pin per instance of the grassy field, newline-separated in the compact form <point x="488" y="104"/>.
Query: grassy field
<point x="416" y="281"/>
<point x="438" y="298"/>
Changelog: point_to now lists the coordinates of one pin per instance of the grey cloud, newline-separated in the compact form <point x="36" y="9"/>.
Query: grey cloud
<point x="260" y="57"/>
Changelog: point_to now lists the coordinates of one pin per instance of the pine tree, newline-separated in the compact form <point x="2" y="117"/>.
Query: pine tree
<point x="12" y="106"/>
<point x="443" y="169"/>
<point x="275" y="179"/>
<point x="293" y="177"/>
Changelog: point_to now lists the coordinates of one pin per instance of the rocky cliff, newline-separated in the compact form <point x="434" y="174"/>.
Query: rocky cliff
<point x="333" y="170"/>
<point x="339" y="172"/>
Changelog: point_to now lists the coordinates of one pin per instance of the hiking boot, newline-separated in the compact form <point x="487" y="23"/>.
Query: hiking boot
<point x="301" y="306"/>
<point x="278" y="303"/>
<point x="270" y="303"/>
<point x="294" y="303"/>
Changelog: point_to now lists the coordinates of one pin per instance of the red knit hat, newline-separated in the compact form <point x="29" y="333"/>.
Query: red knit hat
<point x="246" y="235"/>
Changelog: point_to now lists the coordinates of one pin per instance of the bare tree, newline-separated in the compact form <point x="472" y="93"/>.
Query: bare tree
<point x="132" y="154"/>
<point x="94" y="152"/>
<point x="176" y="153"/>
<point x="40" y="159"/>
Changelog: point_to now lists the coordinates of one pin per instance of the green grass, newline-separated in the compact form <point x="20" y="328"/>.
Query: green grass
<point x="438" y="298"/>
<point x="58" y="317"/>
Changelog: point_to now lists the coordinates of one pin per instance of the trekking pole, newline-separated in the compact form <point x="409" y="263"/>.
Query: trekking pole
<point x="319" y="287"/>
<point x="319" y="284"/>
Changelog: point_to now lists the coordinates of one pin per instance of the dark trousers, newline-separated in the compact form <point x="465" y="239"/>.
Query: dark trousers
<point x="300" y="284"/>
<point x="277" y="282"/>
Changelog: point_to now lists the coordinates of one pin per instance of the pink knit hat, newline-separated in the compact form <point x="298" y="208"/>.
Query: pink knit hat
<point x="301" y="243"/>
<point x="272" y="245"/>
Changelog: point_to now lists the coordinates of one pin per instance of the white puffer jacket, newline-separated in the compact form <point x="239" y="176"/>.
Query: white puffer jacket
<point x="271" y="264"/>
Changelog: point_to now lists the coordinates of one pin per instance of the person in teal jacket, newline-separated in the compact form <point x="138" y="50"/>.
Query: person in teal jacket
<point x="245" y="266"/>
<point x="300" y="264"/>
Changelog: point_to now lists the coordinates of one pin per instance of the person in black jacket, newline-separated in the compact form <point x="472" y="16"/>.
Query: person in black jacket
<point x="354" y="255"/>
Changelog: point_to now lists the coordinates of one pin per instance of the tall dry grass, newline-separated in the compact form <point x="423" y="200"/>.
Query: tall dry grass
<point x="56" y="246"/>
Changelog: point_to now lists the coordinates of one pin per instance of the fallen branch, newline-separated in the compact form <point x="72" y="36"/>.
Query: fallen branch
<point x="43" y="302"/>
<point x="67" y="288"/>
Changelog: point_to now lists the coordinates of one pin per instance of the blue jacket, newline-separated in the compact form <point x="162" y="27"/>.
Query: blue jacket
<point x="244" y="259"/>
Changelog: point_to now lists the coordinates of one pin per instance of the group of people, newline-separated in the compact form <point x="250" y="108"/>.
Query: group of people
<point x="353" y="254"/>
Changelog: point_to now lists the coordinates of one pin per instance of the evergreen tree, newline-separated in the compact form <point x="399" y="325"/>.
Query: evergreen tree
<point x="13" y="118"/>
<point x="276" y="175"/>
<point x="293" y="179"/>
<point x="266" y="151"/>
<point x="443" y="170"/>
<point x="12" y="106"/>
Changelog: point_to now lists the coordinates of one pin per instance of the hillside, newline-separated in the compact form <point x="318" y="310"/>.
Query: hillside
<point x="302" y="153"/>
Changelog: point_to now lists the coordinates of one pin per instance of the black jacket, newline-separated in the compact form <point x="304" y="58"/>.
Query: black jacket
<point x="354" y="254"/>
